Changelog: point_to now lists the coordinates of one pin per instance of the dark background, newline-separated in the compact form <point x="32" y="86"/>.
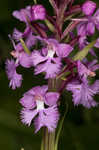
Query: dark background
<point x="81" y="127"/>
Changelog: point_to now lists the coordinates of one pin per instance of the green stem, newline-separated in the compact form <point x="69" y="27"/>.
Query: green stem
<point x="60" y="128"/>
<point x="46" y="139"/>
<point x="35" y="1"/>
<point x="44" y="143"/>
<point x="48" y="142"/>
<point x="50" y="25"/>
<point x="51" y="141"/>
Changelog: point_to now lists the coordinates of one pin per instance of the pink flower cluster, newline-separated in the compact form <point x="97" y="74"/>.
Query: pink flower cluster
<point x="53" y="54"/>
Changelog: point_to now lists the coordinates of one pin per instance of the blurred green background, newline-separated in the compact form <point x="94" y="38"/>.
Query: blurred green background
<point x="81" y="128"/>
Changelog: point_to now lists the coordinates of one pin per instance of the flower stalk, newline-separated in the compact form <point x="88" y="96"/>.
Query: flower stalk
<point x="49" y="137"/>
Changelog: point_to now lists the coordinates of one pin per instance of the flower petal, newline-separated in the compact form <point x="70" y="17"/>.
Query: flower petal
<point x="51" y="98"/>
<point x="28" y="101"/>
<point x="48" y="117"/>
<point x="27" y="116"/>
<point x="64" y="50"/>
<point x="51" y="69"/>
<point x="37" y="58"/>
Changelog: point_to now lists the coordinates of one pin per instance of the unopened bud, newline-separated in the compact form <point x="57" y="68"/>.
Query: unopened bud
<point x="38" y="12"/>
<point x="88" y="7"/>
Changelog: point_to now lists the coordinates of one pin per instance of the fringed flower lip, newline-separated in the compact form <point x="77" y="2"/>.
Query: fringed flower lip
<point x="83" y="93"/>
<point x="48" y="59"/>
<point x="40" y="106"/>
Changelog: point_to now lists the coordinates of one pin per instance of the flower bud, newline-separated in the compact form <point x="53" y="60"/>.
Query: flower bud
<point x="88" y="7"/>
<point x="38" y="12"/>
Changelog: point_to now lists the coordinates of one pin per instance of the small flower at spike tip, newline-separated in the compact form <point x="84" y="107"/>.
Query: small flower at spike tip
<point x="40" y="106"/>
<point x="35" y="12"/>
<point x="48" y="59"/>
<point x="29" y="14"/>
<point x="38" y="12"/>
<point x="88" y="7"/>
<point x="13" y="76"/>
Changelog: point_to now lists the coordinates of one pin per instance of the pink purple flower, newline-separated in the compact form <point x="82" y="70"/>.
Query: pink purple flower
<point x="29" y="14"/>
<point x="48" y="59"/>
<point x="13" y="76"/>
<point x="32" y="12"/>
<point x="85" y="71"/>
<point x="93" y="65"/>
<point x="88" y="24"/>
<point x="40" y="106"/>
<point x="22" y="14"/>
<point x="83" y="93"/>
<point x="21" y="56"/>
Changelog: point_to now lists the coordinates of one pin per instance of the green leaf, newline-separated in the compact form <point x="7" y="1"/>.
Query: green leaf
<point x="24" y="46"/>
<point x="50" y="25"/>
<point x="35" y="1"/>
<point x="83" y="53"/>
